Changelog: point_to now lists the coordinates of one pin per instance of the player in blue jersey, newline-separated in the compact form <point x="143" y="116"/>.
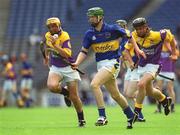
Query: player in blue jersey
<point x="104" y="39"/>
<point x="26" y="80"/>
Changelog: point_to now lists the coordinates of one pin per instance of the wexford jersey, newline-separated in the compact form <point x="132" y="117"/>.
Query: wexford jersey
<point x="9" y="71"/>
<point x="151" y="45"/>
<point x="167" y="64"/>
<point x="130" y="47"/>
<point x="63" y="41"/>
<point x="106" y="42"/>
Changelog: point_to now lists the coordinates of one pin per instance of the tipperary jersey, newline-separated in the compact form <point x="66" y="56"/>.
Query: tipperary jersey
<point x="26" y="67"/>
<point x="106" y="42"/>
<point x="63" y="40"/>
<point x="151" y="45"/>
<point x="167" y="64"/>
<point x="9" y="71"/>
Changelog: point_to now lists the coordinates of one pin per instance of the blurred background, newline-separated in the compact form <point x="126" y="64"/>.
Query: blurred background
<point x="22" y="25"/>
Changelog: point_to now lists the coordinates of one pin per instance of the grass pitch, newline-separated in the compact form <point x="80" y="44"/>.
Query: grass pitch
<point x="63" y="121"/>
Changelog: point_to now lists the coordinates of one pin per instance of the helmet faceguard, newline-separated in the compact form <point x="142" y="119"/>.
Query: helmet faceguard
<point x="122" y="23"/>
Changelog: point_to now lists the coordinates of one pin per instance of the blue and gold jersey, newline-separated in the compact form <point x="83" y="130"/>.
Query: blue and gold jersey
<point x="151" y="45"/>
<point x="105" y="43"/>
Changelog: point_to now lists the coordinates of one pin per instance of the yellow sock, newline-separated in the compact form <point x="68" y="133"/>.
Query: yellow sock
<point x="138" y="105"/>
<point x="163" y="97"/>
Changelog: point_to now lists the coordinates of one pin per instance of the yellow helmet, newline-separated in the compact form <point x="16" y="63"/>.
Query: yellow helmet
<point x="53" y="20"/>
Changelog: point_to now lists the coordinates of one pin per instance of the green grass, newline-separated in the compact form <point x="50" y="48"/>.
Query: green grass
<point x="63" y="121"/>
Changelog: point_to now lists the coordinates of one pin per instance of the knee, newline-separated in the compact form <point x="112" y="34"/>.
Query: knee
<point x="141" y="85"/>
<point x="94" y="85"/>
<point x="115" y="96"/>
<point x="74" y="97"/>
<point x="52" y="86"/>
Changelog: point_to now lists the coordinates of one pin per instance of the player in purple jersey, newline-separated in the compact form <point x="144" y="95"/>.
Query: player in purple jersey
<point x="168" y="67"/>
<point x="59" y="41"/>
<point x="151" y="42"/>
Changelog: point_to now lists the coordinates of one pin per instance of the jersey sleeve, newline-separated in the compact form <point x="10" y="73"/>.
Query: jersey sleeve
<point x="122" y="32"/>
<point x="86" y="41"/>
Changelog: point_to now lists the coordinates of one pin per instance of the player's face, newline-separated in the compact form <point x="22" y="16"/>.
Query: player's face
<point x="53" y="28"/>
<point x="93" y="20"/>
<point x="142" y="31"/>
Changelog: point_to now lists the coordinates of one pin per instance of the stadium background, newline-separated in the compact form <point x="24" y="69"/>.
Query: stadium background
<point x="20" y="19"/>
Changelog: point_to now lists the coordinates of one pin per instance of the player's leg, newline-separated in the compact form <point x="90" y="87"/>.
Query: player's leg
<point x="171" y="93"/>
<point x="26" y="86"/>
<point x="74" y="97"/>
<point x="16" y="93"/>
<point x="112" y="87"/>
<point x="54" y="86"/>
<point x="99" y="79"/>
<point x="159" y="96"/>
<point x="159" y="86"/>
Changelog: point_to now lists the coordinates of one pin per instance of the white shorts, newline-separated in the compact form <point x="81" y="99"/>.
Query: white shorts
<point x="67" y="73"/>
<point x="113" y="66"/>
<point x="149" y="68"/>
<point x="26" y="83"/>
<point x="168" y="74"/>
<point x="9" y="85"/>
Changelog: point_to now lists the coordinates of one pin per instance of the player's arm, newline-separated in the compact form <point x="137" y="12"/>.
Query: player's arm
<point x="81" y="57"/>
<point x="138" y="51"/>
<point x="65" y="49"/>
<point x="127" y="34"/>
<point x="173" y="48"/>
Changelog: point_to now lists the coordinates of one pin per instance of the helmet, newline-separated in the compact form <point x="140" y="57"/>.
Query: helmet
<point x="53" y="20"/>
<point x="122" y="23"/>
<point x="95" y="11"/>
<point x="4" y="58"/>
<point x="139" y="22"/>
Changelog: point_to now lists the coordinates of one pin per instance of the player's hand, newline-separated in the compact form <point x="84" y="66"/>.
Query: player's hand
<point x="132" y="66"/>
<point x="141" y="53"/>
<point x="173" y="57"/>
<point x="53" y="39"/>
<point x="74" y="66"/>
<point x="46" y="61"/>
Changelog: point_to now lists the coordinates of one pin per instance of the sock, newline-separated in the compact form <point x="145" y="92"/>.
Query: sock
<point x="138" y="108"/>
<point x="80" y="115"/>
<point x="141" y="115"/>
<point x="64" y="91"/>
<point x="164" y="102"/>
<point x="102" y="112"/>
<point x="172" y="107"/>
<point x="128" y="112"/>
<point x="159" y="107"/>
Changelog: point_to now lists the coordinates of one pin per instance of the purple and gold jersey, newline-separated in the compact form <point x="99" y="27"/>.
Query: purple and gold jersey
<point x="63" y="41"/>
<point x="132" y="52"/>
<point x="106" y="42"/>
<point x="9" y="71"/>
<point x="167" y="64"/>
<point x="151" y="45"/>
